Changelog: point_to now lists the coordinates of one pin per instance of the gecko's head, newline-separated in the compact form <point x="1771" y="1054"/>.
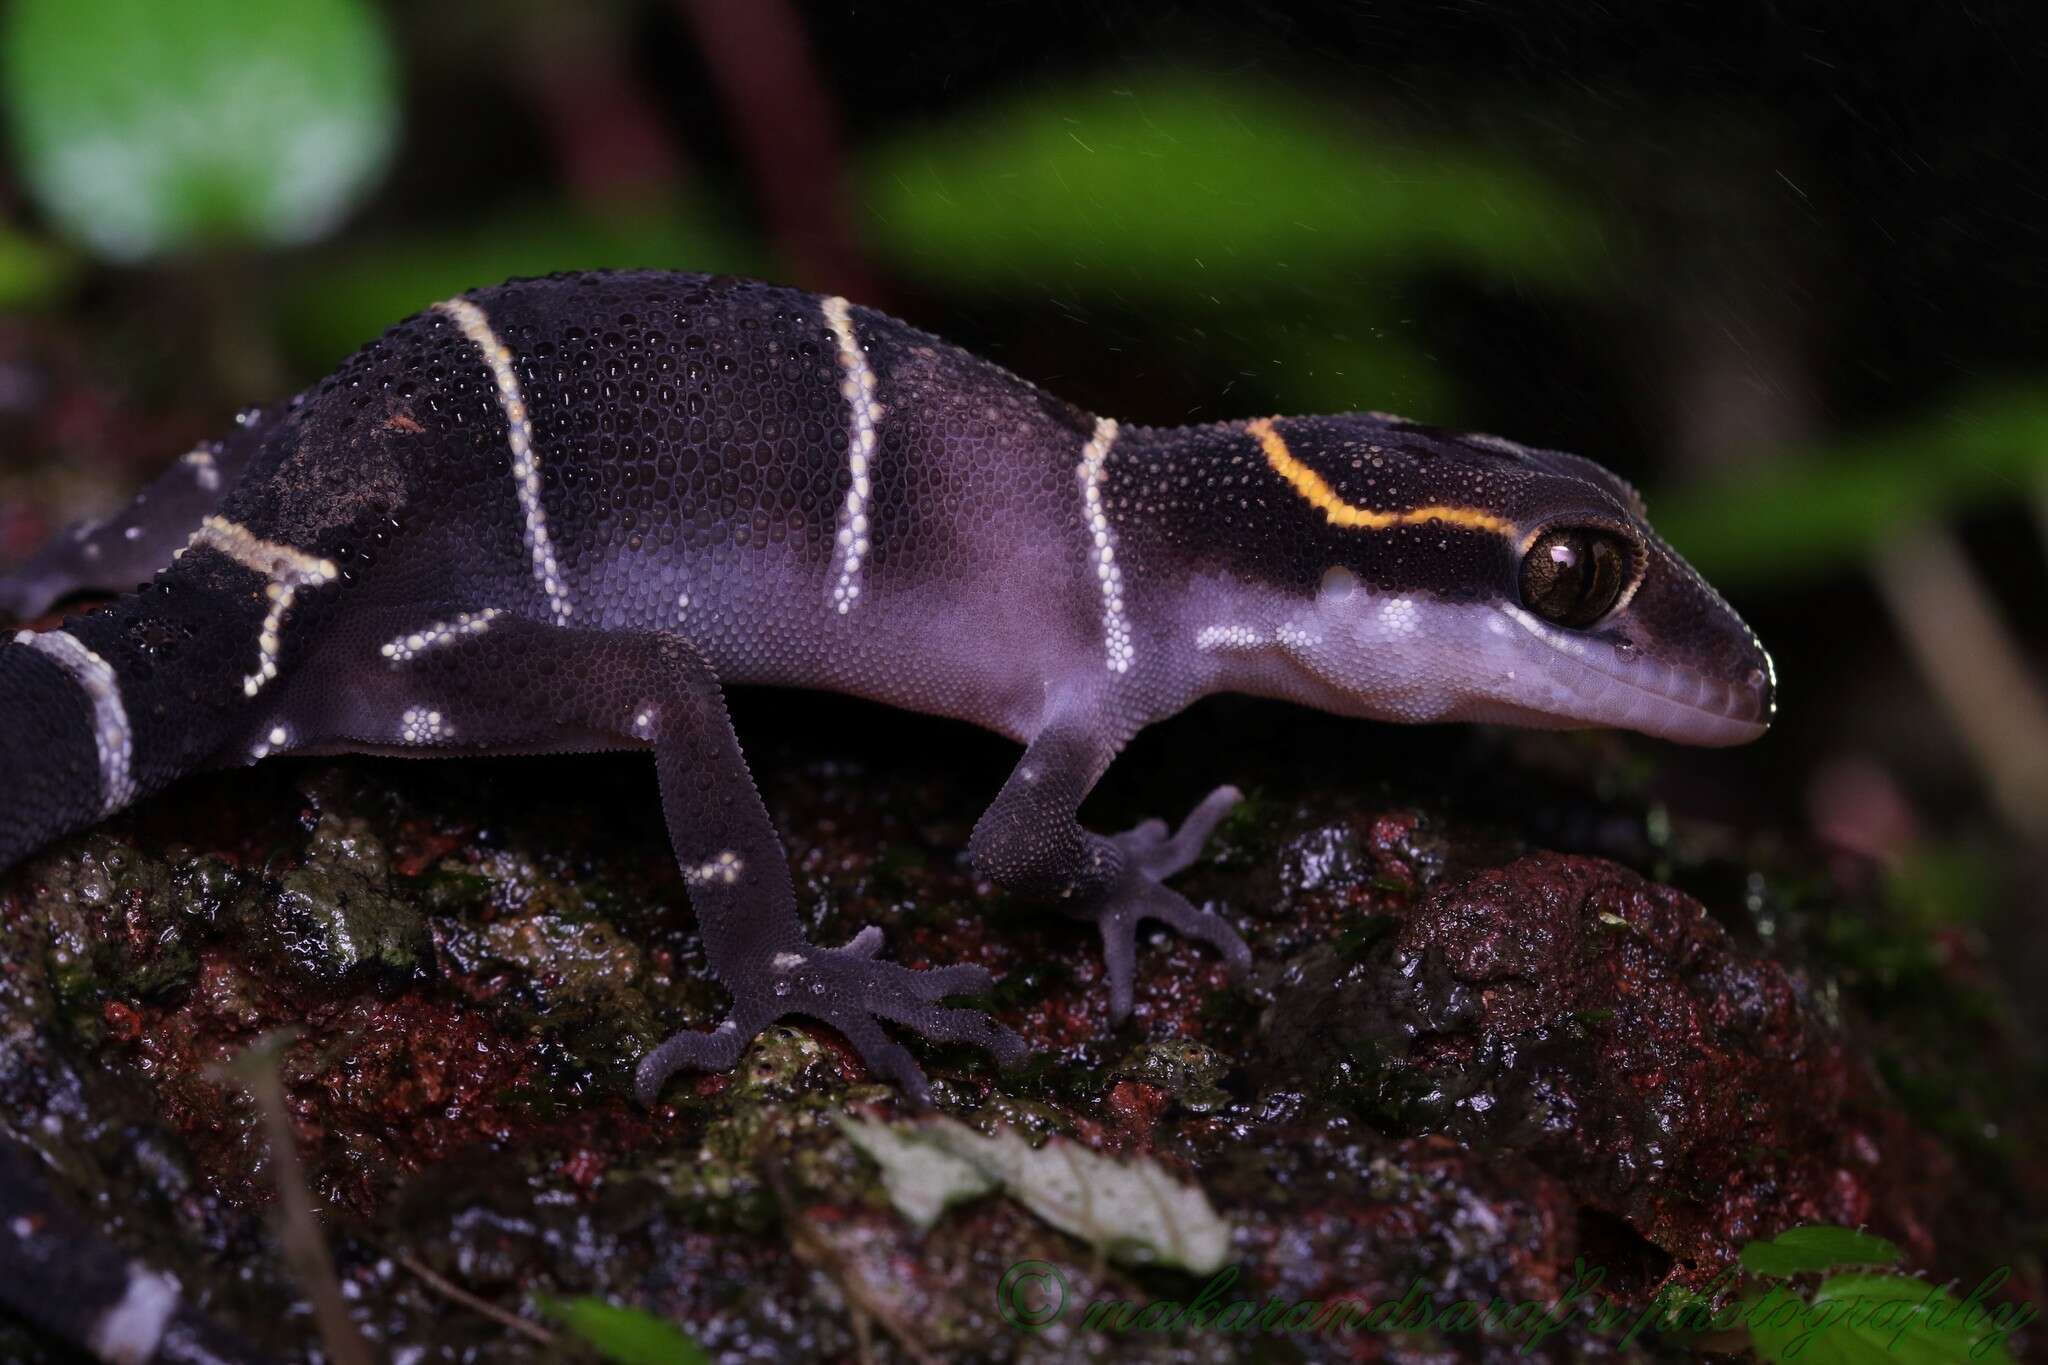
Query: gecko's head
<point x="1464" y="577"/>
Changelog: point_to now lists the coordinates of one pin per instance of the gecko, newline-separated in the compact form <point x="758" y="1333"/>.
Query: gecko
<point x="564" y="514"/>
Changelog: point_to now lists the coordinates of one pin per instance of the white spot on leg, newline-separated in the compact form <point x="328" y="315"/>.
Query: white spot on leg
<point x="130" y="1332"/>
<point x="440" y="633"/>
<point x="270" y="743"/>
<point x="1116" y="627"/>
<point x="724" y="870"/>
<point x="288" y="569"/>
<point x="525" y="463"/>
<point x="110" y="732"/>
<point x="421" y="725"/>
<point x="857" y="386"/>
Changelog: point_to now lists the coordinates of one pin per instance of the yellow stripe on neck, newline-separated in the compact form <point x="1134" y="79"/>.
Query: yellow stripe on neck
<point x="1316" y="491"/>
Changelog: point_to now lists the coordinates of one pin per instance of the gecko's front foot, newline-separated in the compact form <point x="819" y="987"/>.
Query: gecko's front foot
<point x="1150" y="855"/>
<point x="852" y="991"/>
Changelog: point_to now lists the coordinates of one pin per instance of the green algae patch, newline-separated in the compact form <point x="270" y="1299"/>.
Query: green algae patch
<point x="336" y="913"/>
<point x="123" y="923"/>
<point x="1186" y="1070"/>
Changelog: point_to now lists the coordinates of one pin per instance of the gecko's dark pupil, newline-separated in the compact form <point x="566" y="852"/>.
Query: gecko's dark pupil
<point x="1572" y="577"/>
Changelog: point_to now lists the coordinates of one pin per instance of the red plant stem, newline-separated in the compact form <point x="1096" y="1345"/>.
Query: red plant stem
<point x="787" y="127"/>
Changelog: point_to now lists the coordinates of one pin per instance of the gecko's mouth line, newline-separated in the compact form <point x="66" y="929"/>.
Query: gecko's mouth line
<point x="1635" y="691"/>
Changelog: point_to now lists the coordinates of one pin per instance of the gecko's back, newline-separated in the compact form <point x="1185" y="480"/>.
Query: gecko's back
<point x="815" y="494"/>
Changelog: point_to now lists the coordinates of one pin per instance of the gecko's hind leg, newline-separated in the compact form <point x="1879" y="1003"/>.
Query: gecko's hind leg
<point x="113" y="554"/>
<point x="508" y="684"/>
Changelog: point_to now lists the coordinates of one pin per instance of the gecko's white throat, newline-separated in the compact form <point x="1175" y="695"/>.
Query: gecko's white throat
<point x="1415" y="658"/>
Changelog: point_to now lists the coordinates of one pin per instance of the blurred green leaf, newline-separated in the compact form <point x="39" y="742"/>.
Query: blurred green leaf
<point x="1876" y="1320"/>
<point x="32" y="272"/>
<point x="143" y="126"/>
<point x="1818" y="510"/>
<point x="1938" y="884"/>
<point x="1318" y="366"/>
<point x="1179" y="185"/>
<point x="625" y="1336"/>
<point x="1816" y="1247"/>
<point x="339" y="303"/>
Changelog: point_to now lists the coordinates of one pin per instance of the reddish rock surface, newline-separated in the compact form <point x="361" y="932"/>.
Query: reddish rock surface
<point x="1458" y="1061"/>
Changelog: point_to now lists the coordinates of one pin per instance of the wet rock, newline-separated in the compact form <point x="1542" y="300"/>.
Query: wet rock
<point x="119" y="918"/>
<point x="1180" y="1069"/>
<point x="1457" y="1061"/>
<point x="1687" y="1090"/>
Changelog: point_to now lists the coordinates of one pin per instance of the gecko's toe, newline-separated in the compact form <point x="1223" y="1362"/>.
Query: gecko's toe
<point x="1203" y="926"/>
<point x="941" y="1025"/>
<point x="866" y="943"/>
<point x="1150" y="849"/>
<point x="1119" y="929"/>
<point x="1147" y="834"/>
<point x="964" y="978"/>
<point x="1151" y="854"/>
<point x="851" y="990"/>
<point x="1140" y="899"/>
<point x="690" y="1050"/>
<point x="886" y="1057"/>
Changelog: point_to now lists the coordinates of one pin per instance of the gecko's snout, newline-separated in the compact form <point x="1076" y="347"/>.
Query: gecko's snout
<point x="1715" y="700"/>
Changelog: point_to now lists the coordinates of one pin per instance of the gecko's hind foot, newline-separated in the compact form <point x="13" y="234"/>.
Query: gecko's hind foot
<point x="849" y="989"/>
<point x="1150" y="855"/>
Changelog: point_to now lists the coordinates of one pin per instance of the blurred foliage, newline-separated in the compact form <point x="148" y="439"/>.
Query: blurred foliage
<point x="143" y="127"/>
<point x="32" y="272"/>
<point x="1848" y="1319"/>
<point x="1877" y="1320"/>
<point x="624" y="1336"/>
<point x="1816" y="1248"/>
<point x="1807" y="512"/>
<point x="1183" y="184"/>
<point x="1181" y="190"/>
<point x="1934" y="885"/>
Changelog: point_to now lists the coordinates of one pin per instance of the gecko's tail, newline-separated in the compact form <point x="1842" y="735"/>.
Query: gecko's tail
<point x="51" y="778"/>
<point x="122" y="700"/>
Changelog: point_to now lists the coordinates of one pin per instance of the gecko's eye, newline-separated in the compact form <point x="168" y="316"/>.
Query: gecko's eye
<point x="1572" y="576"/>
